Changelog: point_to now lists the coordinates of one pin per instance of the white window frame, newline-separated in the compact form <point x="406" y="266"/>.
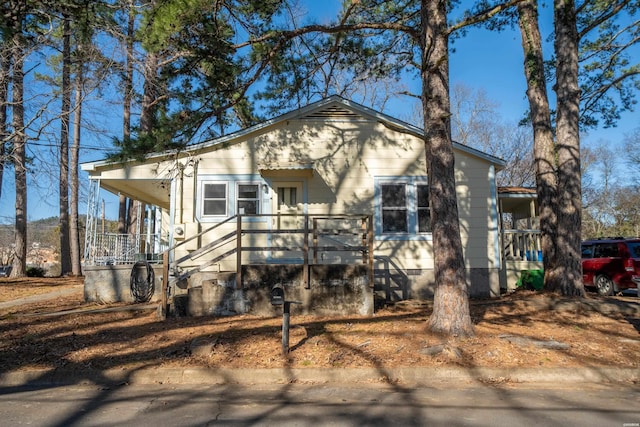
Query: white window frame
<point x="398" y="209"/>
<point x="257" y="200"/>
<point x="411" y="199"/>
<point x="203" y="184"/>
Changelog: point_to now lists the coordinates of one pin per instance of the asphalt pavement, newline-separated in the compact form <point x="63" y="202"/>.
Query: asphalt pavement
<point x="318" y="405"/>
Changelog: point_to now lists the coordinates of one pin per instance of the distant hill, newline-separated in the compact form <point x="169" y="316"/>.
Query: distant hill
<point x="44" y="231"/>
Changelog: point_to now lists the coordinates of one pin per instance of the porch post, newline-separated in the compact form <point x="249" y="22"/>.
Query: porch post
<point x="91" y="222"/>
<point x="532" y="214"/>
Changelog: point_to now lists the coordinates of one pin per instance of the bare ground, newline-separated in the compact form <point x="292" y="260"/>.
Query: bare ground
<point x="523" y="329"/>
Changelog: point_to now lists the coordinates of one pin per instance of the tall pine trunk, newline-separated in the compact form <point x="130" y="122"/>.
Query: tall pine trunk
<point x="128" y="98"/>
<point x="451" y="300"/>
<point x="65" y="250"/>
<point x="19" y="145"/>
<point x="122" y="214"/>
<point x="150" y="94"/>
<point x="543" y="143"/>
<point x="74" y="231"/>
<point x="568" y="150"/>
<point x="5" y="66"/>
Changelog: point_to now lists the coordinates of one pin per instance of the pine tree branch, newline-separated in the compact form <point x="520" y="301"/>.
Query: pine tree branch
<point x="329" y="29"/>
<point x="608" y="44"/>
<point x="602" y="18"/>
<point x="593" y="97"/>
<point x="483" y="15"/>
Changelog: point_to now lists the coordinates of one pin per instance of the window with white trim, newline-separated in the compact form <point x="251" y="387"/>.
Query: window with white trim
<point x="248" y="199"/>
<point x="394" y="208"/>
<point x="403" y="207"/>
<point x="214" y="199"/>
<point x="424" y="211"/>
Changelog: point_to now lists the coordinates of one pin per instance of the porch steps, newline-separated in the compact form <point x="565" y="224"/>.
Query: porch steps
<point x="209" y="263"/>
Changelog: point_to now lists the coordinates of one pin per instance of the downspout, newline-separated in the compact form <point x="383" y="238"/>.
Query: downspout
<point x="172" y="217"/>
<point x="194" y="196"/>
<point x="180" y="167"/>
<point x="149" y="220"/>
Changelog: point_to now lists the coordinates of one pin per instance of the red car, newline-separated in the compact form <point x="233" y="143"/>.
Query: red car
<point x="611" y="264"/>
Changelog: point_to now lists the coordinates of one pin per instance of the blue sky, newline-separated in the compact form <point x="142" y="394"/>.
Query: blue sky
<point x="483" y="60"/>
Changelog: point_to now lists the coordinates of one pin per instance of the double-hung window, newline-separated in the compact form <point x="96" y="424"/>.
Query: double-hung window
<point x="214" y="200"/>
<point x="248" y="196"/>
<point x="403" y="207"/>
<point x="223" y="196"/>
<point x="394" y="208"/>
<point x="423" y="209"/>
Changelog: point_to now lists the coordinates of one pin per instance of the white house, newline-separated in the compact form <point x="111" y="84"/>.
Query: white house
<point x="329" y="201"/>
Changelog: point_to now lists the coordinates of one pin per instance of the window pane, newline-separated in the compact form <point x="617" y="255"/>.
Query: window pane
<point x="287" y="196"/>
<point x="606" y="250"/>
<point x="215" y="191"/>
<point x="214" y="199"/>
<point x="424" y="220"/>
<point x="247" y="191"/>
<point x="393" y="195"/>
<point x="394" y="221"/>
<point x="248" y="199"/>
<point x="215" y="207"/>
<point x="423" y="196"/>
<point x="250" y="207"/>
<point x="634" y="249"/>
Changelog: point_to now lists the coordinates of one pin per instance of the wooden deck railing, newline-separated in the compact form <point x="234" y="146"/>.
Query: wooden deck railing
<point x="305" y="235"/>
<point x="522" y="245"/>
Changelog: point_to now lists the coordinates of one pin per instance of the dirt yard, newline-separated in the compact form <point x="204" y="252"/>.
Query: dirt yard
<point x="520" y="330"/>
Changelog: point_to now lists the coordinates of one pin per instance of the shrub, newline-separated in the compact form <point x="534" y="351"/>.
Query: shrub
<point x="531" y="280"/>
<point x="35" y="272"/>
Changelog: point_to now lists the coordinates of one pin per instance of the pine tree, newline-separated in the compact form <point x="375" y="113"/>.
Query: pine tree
<point x="16" y="13"/>
<point x="544" y="144"/>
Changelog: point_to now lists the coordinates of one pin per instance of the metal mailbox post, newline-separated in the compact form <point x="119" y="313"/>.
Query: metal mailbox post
<point x="277" y="295"/>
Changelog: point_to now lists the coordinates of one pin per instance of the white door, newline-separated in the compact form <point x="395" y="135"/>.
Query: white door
<point x="287" y="209"/>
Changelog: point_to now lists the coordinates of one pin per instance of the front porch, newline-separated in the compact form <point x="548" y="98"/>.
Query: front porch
<point x="229" y="266"/>
<point x="520" y="234"/>
<point x="325" y="262"/>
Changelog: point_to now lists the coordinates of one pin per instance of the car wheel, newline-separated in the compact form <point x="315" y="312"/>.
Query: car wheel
<point x="604" y="285"/>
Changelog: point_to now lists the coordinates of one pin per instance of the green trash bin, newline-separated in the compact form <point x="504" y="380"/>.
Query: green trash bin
<point x="531" y="279"/>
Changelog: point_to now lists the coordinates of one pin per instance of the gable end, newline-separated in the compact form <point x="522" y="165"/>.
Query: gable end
<point x="334" y="112"/>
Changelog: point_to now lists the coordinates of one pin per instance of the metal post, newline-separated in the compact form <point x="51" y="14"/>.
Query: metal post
<point x="305" y="272"/>
<point x="286" y="315"/>
<point x="239" y="252"/>
<point x="164" y="302"/>
<point x="371" y="257"/>
<point x="315" y="240"/>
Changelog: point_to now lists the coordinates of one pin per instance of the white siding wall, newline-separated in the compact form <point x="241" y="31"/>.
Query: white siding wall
<point x="346" y="155"/>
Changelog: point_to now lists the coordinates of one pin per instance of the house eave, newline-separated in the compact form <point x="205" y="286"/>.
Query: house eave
<point x="384" y="119"/>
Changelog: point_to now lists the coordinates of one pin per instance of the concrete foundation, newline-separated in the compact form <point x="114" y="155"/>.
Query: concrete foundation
<point x="332" y="289"/>
<point x="420" y="284"/>
<point x="112" y="283"/>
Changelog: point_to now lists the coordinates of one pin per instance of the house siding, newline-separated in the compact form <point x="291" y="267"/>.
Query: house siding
<point x="348" y="156"/>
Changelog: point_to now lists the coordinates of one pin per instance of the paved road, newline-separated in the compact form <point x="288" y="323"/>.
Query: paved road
<point x="313" y="405"/>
